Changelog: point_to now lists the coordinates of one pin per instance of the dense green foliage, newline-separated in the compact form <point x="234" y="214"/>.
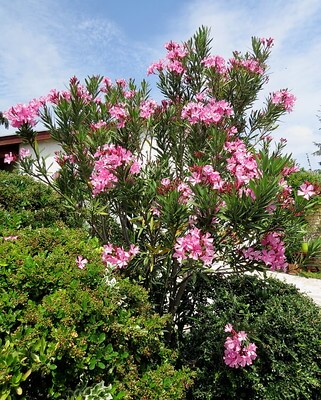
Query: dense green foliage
<point x="297" y="178"/>
<point x="26" y="202"/>
<point x="284" y="324"/>
<point x="63" y="328"/>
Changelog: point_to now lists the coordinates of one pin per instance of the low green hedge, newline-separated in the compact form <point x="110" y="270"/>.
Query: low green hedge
<point x="64" y="330"/>
<point x="285" y="326"/>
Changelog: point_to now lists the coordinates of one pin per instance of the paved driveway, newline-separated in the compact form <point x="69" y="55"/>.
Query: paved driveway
<point x="310" y="286"/>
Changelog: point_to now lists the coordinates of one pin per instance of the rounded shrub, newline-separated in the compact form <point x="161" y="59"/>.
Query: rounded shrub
<point x="284" y="324"/>
<point x="27" y="202"/>
<point x="65" y="329"/>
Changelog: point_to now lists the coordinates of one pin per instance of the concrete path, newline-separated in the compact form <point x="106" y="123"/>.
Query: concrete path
<point x="309" y="286"/>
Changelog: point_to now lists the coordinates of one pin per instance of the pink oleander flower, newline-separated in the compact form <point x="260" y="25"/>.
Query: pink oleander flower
<point x="156" y="210"/>
<point x="83" y="93"/>
<point x="175" y="50"/>
<point x="306" y="190"/>
<point x="289" y="170"/>
<point x="186" y="193"/>
<point x="156" y="66"/>
<point x="11" y="237"/>
<point x="211" y="113"/>
<point x="249" y="64"/>
<point x="268" y="42"/>
<point x="81" y="262"/>
<point x="61" y="158"/>
<point x="109" y="159"/>
<point x="121" y="82"/>
<point x="247" y="192"/>
<point x="135" y="167"/>
<point x="24" y="113"/>
<point x="173" y="62"/>
<point x="23" y="153"/>
<point x="147" y="108"/>
<point x="117" y="257"/>
<point x="208" y="176"/>
<point x="184" y="190"/>
<point x="238" y="351"/>
<point x="228" y="328"/>
<point x="106" y="84"/>
<point x="195" y="245"/>
<point x="175" y="66"/>
<point x="65" y="95"/>
<point x="241" y="164"/>
<point x="9" y="158"/>
<point x="53" y="96"/>
<point x="166" y="182"/>
<point x="272" y="253"/>
<point x="98" y="125"/>
<point x="284" y="98"/>
<point x="129" y="94"/>
<point x="215" y="62"/>
<point x="271" y="208"/>
<point x="119" y="112"/>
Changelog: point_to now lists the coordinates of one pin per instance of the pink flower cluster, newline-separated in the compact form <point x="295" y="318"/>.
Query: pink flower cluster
<point x="23" y="153"/>
<point x="109" y="159"/>
<point x="173" y="62"/>
<point x="98" y="125"/>
<point x="147" y="108"/>
<point x="249" y="64"/>
<point x="215" y="62"/>
<point x="10" y="158"/>
<point x="207" y="175"/>
<point x="183" y="188"/>
<point x="120" y="114"/>
<point x="106" y="84"/>
<point x="268" y="42"/>
<point x="195" y="245"/>
<point x="11" y="237"/>
<point x="284" y="98"/>
<point x="54" y="96"/>
<point x="117" y="257"/>
<point x="241" y="164"/>
<point x="24" y="113"/>
<point x="211" y="113"/>
<point x="238" y="351"/>
<point x="306" y="190"/>
<point x="61" y="158"/>
<point x="272" y="254"/>
<point x="81" y="262"/>
<point x="290" y="170"/>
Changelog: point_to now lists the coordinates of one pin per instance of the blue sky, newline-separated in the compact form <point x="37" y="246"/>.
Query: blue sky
<point x="45" y="42"/>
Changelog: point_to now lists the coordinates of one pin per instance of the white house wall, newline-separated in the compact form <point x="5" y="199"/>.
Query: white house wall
<point x="47" y="149"/>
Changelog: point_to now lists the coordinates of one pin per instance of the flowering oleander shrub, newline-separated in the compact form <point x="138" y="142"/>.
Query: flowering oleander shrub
<point x="191" y="181"/>
<point x="272" y="347"/>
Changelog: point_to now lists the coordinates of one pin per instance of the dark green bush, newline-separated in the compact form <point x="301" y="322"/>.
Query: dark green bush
<point x="285" y="326"/>
<point x="63" y="328"/>
<point x="27" y="202"/>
